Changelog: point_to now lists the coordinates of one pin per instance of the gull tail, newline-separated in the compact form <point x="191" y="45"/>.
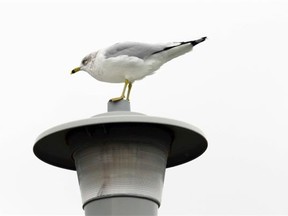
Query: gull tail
<point x="180" y="48"/>
<point x="195" y="42"/>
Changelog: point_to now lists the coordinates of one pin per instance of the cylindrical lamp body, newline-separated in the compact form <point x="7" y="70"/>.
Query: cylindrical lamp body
<point x="126" y="161"/>
<point x="121" y="206"/>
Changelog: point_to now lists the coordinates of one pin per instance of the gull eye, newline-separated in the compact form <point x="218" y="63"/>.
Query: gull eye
<point x="84" y="62"/>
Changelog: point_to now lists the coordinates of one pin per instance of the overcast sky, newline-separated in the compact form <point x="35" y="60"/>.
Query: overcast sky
<point x="233" y="87"/>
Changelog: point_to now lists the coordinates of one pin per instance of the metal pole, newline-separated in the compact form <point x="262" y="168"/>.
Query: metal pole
<point x="121" y="206"/>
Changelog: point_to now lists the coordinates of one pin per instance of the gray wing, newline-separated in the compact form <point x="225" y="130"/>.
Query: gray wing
<point x="140" y="50"/>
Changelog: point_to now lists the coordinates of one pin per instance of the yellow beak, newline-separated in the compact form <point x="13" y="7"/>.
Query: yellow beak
<point x="75" y="70"/>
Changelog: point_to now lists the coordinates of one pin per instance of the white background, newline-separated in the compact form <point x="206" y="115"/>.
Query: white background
<point x="233" y="87"/>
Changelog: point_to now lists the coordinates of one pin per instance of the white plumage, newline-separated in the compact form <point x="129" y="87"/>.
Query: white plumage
<point x="130" y="61"/>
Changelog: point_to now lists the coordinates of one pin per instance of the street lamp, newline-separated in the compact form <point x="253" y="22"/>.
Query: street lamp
<point x="120" y="157"/>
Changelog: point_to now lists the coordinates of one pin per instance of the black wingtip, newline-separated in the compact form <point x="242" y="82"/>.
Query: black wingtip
<point x="195" y="42"/>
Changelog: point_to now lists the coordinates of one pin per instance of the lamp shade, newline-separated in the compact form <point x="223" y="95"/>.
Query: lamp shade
<point x="116" y="161"/>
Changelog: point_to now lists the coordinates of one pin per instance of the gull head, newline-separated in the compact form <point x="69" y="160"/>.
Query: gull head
<point x="85" y="63"/>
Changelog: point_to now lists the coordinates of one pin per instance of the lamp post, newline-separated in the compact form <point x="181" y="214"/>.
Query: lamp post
<point x="120" y="157"/>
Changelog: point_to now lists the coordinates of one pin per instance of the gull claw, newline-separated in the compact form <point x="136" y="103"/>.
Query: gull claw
<point x="122" y="97"/>
<point x="117" y="99"/>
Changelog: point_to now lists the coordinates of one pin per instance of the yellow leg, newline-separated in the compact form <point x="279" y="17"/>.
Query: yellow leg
<point x="127" y="83"/>
<point x="129" y="90"/>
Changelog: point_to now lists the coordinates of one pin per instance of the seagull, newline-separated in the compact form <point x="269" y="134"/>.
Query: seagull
<point x="127" y="62"/>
